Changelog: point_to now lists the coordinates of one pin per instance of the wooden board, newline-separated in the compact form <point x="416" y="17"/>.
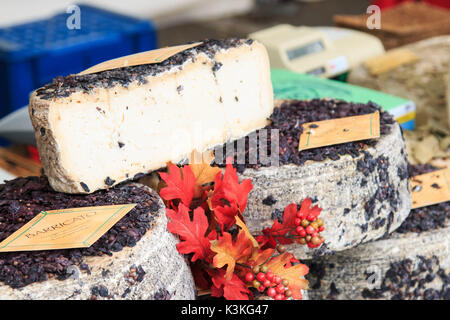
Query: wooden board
<point x="18" y="165"/>
<point x="147" y="57"/>
<point x="430" y="188"/>
<point x="390" y="60"/>
<point x="342" y="130"/>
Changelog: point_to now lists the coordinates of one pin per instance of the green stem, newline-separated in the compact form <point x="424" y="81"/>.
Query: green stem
<point x="271" y="256"/>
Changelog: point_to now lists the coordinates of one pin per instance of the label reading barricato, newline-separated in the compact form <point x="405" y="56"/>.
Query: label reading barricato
<point x="147" y="57"/>
<point x="330" y="132"/>
<point x="65" y="228"/>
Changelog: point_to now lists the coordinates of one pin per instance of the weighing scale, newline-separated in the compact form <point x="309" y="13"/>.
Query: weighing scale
<point x="320" y="51"/>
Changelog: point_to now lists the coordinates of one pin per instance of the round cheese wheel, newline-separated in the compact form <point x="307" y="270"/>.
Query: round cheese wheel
<point x="405" y="266"/>
<point x="412" y="263"/>
<point x="151" y="269"/>
<point x="363" y="196"/>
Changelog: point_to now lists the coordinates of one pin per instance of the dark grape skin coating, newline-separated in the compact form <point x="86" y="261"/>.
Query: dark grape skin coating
<point x="65" y="86"/>
<point x="288" y="119"/>
<point x="407" y="280"/>
<point x="23" y="198"/>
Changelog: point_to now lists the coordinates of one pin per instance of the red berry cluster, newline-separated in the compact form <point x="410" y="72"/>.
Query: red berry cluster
<point x="262" y="278"/>
<point x="309" y="228"/>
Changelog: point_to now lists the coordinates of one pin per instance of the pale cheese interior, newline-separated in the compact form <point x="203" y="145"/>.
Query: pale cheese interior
<point x="164" y="120"/>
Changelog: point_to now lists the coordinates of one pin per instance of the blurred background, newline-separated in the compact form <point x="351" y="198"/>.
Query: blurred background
<point x="393" y="52"/>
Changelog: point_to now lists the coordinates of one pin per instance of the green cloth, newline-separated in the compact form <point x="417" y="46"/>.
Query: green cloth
<point x="291" y="85"/>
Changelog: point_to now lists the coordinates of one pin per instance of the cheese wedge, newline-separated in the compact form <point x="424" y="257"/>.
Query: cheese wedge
<point x="152" y="269"/>
<point x="94" y="131"/>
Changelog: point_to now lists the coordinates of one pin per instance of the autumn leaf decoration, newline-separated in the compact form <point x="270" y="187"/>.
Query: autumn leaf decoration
<point x="205" y="209"/>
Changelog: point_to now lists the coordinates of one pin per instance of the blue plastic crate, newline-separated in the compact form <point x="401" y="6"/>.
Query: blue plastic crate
<point x="32" y="54"/>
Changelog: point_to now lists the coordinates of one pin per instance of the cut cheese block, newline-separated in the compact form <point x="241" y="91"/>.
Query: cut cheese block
<point x="94" y="131"/>
<point x="151" y="269"/>
<point x="408" y="266"/>
<point x="364" y="195"/>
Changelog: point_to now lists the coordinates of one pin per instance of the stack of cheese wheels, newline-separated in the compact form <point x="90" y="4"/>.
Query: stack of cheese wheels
<point x="414" y="265"/>
<point x="411" y="263"/>
<point x="150" y="268"/>
<point x="364" y="194"/>
<point x="96" y="130"/>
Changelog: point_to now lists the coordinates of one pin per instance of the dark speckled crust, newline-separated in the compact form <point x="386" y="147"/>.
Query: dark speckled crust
<point x="138" y="271"/>
<point x="288" y="118"/>
<point x="65" y="86"/>
<point x="405" y="268"/>
<point x="408" y="264"/>
<point x="406" y="280"/>
<point x="23" y="198"/>
<point x="361" y="186"/>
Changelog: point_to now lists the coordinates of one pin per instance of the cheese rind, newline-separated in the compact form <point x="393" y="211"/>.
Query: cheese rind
<point x="93" y="138"/>
<point x="367" y="271"/>
<point x="162" y="270"/>
<point x="363" y="197"/>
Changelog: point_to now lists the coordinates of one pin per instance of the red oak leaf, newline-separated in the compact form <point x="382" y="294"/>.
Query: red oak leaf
<point x="225" y="215"/>
<point x="228" y="190"/>
<point x="192" y="233"/>
<point x="277" y="233"/>
<point x="306" y="204"/>
<point x="180" y="184"/>
<point x="233" y="289"/>
<point x="265" y="242"/>
<point x="229" y="253"/>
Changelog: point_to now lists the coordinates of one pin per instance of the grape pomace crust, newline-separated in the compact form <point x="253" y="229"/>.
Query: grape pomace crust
<point x="125" y="263"/>
<point x="361" y="186"/>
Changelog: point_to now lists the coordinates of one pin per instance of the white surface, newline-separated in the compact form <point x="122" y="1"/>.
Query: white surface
<point x="18" y="120"/>
<point x="339" y="51"/>
<point x="338" y="65"/>
<point x="5" y="175"/>
<point x="334" y="33"/>
<point x="17" y="127"/>
<point x="163" y="13"/>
